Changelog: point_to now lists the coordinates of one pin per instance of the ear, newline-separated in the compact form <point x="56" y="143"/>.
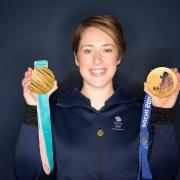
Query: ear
<point x="76" y="59"/>
<point x="118" y="61"/>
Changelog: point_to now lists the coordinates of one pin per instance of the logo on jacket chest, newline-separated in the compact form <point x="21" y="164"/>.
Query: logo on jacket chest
<point x="118" y="123"/>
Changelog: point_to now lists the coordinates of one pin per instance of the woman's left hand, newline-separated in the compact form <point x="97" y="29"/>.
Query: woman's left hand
<point x="165" y="102"/>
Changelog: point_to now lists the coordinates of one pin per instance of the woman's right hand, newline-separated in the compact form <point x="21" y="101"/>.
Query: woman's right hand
<point x="30" y="97"/>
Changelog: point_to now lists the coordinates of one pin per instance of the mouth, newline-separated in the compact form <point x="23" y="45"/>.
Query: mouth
<point x="98" y="72"/>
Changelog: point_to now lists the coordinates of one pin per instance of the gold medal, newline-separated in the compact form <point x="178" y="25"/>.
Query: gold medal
<point x="162" y="82"/>
<point x="42" y="80"/>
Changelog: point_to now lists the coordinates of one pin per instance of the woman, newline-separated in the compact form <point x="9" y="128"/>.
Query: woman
<point x="96" y="127"/>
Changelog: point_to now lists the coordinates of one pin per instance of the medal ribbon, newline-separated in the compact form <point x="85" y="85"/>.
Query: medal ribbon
<point x="44" y="127"/>
<point x="144" y="170"/>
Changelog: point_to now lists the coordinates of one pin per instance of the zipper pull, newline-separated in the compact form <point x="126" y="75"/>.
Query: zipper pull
<point x="100" y="132"/>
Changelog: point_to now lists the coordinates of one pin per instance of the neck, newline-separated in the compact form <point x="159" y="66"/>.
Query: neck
<point x="97" y="96"/>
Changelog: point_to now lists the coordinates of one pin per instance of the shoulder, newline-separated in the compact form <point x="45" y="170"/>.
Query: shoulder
<point x="123" y="96"/>
<point x="58" y="96"/>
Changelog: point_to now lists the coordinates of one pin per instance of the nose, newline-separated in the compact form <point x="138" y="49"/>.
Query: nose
<point x="97" y="58"/>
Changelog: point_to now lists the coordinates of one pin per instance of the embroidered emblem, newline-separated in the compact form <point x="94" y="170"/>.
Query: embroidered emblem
<point x="118" y="123"/>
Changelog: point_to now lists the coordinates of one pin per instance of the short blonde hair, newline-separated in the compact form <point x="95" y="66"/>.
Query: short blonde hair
<point x="107" y="24"/>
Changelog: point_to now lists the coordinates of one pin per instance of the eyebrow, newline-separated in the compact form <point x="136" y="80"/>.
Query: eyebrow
<point x="90" y="45"/>
<point x="86" y="45"/>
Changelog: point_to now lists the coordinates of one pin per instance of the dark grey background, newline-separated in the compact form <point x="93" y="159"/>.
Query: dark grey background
<point x="31" y="30"/>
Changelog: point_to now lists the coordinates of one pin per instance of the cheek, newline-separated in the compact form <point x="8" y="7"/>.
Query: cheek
<point x="113" y="62"/>
<point x="83" y="62"/>
<point x="83" y="66"/>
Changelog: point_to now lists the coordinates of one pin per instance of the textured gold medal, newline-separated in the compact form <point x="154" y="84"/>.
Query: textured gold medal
<point x="42" y="80"/>
<point x="162" y="82"/>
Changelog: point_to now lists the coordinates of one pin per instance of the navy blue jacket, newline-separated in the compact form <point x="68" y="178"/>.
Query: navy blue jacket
<point x="97" y="145"/>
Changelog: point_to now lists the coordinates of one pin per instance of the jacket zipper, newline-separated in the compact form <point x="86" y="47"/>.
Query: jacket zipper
<point x="99" y="135"/>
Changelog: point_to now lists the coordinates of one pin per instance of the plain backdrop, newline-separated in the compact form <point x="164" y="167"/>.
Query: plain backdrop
<point x="31" y="30"/>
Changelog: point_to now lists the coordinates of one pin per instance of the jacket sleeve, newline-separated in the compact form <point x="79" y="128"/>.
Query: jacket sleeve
<point x="27" y="160"/>
<point x="27" y="156"/>
<point x="163" y="153"/>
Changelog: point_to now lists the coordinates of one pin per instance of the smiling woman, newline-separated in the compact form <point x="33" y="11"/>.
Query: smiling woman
<point x="97" y="58"/>
<point x="96" y="127"/>
<point x="98" y="46"/>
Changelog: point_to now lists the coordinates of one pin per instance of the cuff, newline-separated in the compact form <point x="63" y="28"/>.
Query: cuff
<point x="162" y="115"/>
<point x="31" y="116"/>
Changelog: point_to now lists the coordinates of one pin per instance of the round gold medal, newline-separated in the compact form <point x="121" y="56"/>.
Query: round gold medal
<point x="162" y="82"/>
<point x="42" y="80"/>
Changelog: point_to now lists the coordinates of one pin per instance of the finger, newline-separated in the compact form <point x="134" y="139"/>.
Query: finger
<point x="30" y="69"/>
<point x="26" y="80"/>
<point x="175" y="70"/>
<point x="178" y="76"/>
<point x="178" y="80"/>
<point x="147" y="90"/>
<point x="26" y="88"/>
<point x="176" y="92"/>
<point x="25" y="74"/>
<point x="28" y="72"/>
<point x="23" y="82"/>
<point x="53" y="89"/>
<point x="27" y="84"/>
<point x="178" y="83"/>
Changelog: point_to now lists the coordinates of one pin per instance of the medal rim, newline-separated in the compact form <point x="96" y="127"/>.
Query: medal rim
<point x="162" y="69"/>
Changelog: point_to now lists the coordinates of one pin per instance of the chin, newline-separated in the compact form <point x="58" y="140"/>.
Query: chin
<point x="99" y="84"/>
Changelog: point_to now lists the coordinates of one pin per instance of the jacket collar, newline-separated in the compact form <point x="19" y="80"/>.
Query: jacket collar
<point x="76" y="98"/>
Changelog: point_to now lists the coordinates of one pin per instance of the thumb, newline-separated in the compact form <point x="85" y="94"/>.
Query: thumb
<point x="55" y="87"/>
<point x="146" y="90"/>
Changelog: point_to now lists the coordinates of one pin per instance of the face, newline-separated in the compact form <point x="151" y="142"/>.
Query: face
<point x="97" y="58"/>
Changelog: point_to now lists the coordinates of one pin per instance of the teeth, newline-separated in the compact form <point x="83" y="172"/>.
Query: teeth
<point x="97" y="71"/>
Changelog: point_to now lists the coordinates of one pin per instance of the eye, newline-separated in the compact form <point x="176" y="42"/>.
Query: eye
<point x="87" y="51"/>
<point x="107" y="50"/>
